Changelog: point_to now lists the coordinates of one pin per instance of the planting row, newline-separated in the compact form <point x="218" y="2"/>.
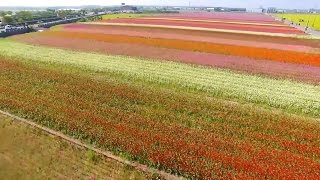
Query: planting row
<point x="203" y="34"/>
<point x="192" y="135"/>
<point x="286" y="95"/>
<point x="246" y="17"/>
<point x="214" y="21"/>
<point x="242" y="51"/>
<point x="167" y="35"/>
<point x="311" y="74"/>
<point x="242" y="27"/>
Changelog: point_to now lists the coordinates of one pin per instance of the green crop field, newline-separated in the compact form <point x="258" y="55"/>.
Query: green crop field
<point x="314" y="19"/>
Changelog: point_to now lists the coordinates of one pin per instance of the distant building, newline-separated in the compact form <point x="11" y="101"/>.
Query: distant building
<point x="314" y="11"/>
<point x="128" y="9"/>
<point x="226" y="9"/>
<point x="210" y="9"/>
<point x="237" y="9"/>
<point x="69" y="9"/>
<point x="90" y="14"/>
<point x="256" y="10"/>
<point x="281" y="11"/>
<point x="287" y="10"/>
<point x="272" y="10"/>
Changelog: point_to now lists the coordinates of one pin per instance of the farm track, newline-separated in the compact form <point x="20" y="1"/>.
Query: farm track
<point x="261" y="67"/>
<point x="78" y="143"/>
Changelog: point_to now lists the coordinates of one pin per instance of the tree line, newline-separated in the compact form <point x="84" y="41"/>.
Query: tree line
<point x="9" y="17"/>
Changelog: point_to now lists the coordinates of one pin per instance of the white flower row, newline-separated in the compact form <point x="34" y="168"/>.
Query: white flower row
<point x="282" y="94"/>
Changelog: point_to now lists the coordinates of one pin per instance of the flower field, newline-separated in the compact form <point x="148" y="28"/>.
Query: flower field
<point x="196" y="103"/>
<point x="243" y="51"/>
<point x="220" y="25"/>
<point x="275" y="24"/>
<point x="170" y="35"/>
<point x="303" y="19"/>
<point x="242" y="17"/>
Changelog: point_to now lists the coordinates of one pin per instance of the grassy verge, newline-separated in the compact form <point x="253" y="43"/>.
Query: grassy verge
<point x="28" y="153"/>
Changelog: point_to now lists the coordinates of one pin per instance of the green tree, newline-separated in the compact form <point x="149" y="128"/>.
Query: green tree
<point x="25" y="15"/>
<point x="82" y="12"/>
<point x="7" y="20"/>
<point x="2" y="13"/>
<point x="65" y="13"/>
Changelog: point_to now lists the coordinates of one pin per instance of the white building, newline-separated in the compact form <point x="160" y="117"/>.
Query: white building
<point x="255" y="10"/>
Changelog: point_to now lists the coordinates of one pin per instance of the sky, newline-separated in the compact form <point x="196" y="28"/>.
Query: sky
<point x="299" y="4"/>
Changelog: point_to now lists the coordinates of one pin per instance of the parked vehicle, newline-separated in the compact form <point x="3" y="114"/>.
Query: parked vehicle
<point x="9" y="27"/>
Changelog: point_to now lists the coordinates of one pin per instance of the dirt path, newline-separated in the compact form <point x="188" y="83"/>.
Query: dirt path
<point x="107" y="154"/>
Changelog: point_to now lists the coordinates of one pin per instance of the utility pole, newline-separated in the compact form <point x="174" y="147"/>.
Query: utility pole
<point x="308" y="20"/>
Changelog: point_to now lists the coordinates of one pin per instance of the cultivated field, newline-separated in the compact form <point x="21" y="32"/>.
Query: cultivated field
<point x="28" y="153"/>
<point x="200" y="95"/>
<point x="303" y="19"/>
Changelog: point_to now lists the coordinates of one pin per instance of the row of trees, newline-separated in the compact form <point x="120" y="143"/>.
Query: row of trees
<point x="5" y="17"/>
<point x="94" y="18"/>
<point x="8" y="17"/>
<point x="3" y="13"/>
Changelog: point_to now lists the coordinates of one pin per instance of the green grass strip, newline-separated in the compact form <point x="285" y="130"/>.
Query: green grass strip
<point x="284" y="94"/>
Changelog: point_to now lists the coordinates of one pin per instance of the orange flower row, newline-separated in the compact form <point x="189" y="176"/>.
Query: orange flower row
<point x="251" y="52"/>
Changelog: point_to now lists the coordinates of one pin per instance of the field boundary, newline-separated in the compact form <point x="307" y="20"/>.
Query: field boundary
<point x="106" y="154"/>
